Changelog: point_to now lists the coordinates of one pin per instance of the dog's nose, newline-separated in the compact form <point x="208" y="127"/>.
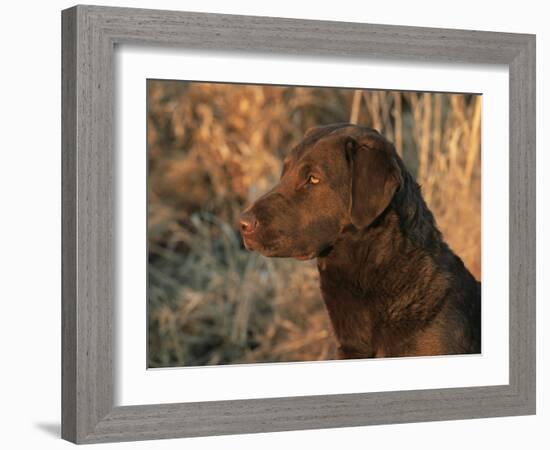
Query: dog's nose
<point x="248" y="223"/>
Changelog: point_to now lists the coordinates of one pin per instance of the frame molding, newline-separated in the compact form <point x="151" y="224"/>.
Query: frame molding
<point x="89" y="36"/>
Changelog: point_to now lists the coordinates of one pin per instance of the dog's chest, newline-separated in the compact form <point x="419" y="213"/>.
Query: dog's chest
<point x="364" y="324"/>
<point x="352" y="321"/>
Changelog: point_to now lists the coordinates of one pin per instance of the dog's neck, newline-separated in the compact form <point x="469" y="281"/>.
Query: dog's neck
<point x="366" y="298"/>
<point x="370" y="250"/>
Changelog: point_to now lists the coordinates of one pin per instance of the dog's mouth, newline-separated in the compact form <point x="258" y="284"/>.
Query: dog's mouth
<point x="254" y="245"/>
<point x="248" y="243"/>
<point x="305" y="258"/>
<point x="274" y="251"/>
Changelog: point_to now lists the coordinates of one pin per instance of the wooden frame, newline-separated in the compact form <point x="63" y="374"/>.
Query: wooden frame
<point x="89" y="35"/>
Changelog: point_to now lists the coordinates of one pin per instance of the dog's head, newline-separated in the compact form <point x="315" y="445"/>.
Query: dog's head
<point x="339" y="175"/>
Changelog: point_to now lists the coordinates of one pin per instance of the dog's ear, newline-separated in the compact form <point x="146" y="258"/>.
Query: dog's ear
<point x="375" y="177"/>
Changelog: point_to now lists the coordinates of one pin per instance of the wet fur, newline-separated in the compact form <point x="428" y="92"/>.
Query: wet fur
<point x="392" y="287"/>
<point x="396" y="289"/>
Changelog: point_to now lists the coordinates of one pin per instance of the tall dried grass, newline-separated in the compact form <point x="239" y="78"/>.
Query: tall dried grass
<point x="213" y="148"/>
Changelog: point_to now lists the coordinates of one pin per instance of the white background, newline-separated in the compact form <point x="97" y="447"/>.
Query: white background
<point x="134" y="385"/>
<point x="30" y="224"/>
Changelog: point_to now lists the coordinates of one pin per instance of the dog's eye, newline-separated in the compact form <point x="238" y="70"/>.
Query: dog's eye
<point x="313" y="179"/>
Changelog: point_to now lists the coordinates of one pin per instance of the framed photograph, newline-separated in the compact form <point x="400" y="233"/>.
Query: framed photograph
<point x="279" y="224"/>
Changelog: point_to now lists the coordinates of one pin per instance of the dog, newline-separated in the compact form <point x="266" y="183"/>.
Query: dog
<point x="391" y="285"/>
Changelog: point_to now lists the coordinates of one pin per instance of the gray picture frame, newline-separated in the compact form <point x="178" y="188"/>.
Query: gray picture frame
<point x="89" y="37"/>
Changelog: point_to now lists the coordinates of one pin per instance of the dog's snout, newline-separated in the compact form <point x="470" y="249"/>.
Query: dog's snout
<point x="248" y="223"/>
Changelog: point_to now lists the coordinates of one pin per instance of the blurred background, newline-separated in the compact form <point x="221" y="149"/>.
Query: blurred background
<point x="214" y="148"/>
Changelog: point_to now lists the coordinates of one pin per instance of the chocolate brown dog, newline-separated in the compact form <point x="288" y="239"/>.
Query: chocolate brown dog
<point x="391" y="285"/>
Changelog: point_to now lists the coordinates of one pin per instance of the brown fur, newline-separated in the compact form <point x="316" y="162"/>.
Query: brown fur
<point x="391" y="285"/>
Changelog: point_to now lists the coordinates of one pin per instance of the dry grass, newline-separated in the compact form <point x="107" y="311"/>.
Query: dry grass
<point x="213" y="148"/>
